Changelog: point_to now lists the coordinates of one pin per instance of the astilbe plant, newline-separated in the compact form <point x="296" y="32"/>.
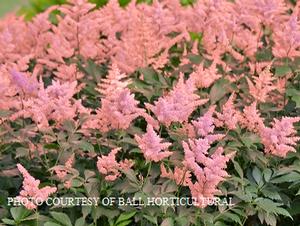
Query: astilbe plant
<point x="177" y="105"/>
<point x="151" y="146"/>
<point x="153" y="99"/>
<point x="31" y="192"/>
<point x="108" y="166"/>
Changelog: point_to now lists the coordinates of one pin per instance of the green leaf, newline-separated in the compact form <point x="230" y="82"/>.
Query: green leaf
<point x="88" y="174"/>
<point x="142" y="87"/>
<point x="69" y="125"/>
<point x="267" y="174"/>
<point x="19" y="213"/>
<point x="267" y="205"/>
<point x="283" y="212"/>
<point x="256" y="173"/>
<point x="295" y="95"/>
<point x="231" y="216"/>
<point x="181" y="221"/>
<point x="249" y="139"/>
<point x="220" y="223"/>
<point x="219" y="90"/>
<point x="130" y="174"/>
<point x="76" y="183"/>
<point x="61" y="218"/>
<point x="21" y="152"/>
<point x="149" y="74"/>
<point x="168" y="222"/>
<point x="271" y="220"/>
<point x="196" y="36"/>
<point x="125" y="216"/>
<point x="80" y="222"/>
<point x="8" y="221"/>
<point x="151" y="219"/>
<point x="272" y="207"/>
<point x="264" y="55"/>
<point x="282" y="70"/>
<point x="32" y="217"/>
<point x="124" y="223"/>
<point x="238" y="168"/>
<point x="51" y="224"/>
<point x="271" y="194"/>
<point x="290" y="177"/>
<point x="86" y="146"/>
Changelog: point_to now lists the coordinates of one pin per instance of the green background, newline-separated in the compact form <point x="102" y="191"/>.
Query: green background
<point x="10" y="5"/>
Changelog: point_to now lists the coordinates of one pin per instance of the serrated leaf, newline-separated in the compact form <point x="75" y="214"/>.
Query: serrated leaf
<point x="88" y="174"/>
<point x="267" y="205"/>
<point x="86" y="146"/>
<point x="249" y="139"/>
<point x="261" y="216"/>
<point x="125" y="216"/>
<point x="8" y="221"/>
<point x="21" y="152"/>
<point x="267" y="174"/>
<point x="151" y="219"/>
<point x="149" y="75"/>
<point x="219" y="90"/>
<point x="231" y="216"/>
<point x="271" y="194"/>
<point x="272" y="207"/>
<point x="62" y="218"/>
<point x="290" y="177"/>
<point x="271" y="220"/>
<point x="69" y="125"/>
<point x="181" y="221"/>
<point x="168" y="222"/>
<point x="238" y="169"/>
<point x="256" y="173"/>
<point x="283" y="212"/>
<point x="130" y="174"/>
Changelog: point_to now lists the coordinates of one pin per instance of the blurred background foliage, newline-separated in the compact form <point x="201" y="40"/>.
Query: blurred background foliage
<point x="8" y="6"/>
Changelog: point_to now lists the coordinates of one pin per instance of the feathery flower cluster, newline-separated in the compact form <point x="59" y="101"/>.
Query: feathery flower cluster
<point x="263" y="85"/>
<point x="118" y="106"/>
<point x="229" y="116"/>
<point x="212" y="172"/>
<point x="177" y="105"/>
<point x="251" y="118"/>
<point x="64" y="173"/>
<point x="287" y="37"/>
<point x="205" y="125"/>
<point x="43" y="67"/>
<point x="110" y="168"/>
<point x="209" y="169"/>
<point x="151" y="145"/>
<point x="54" y="102"/>
<point x="181" y="176"/>
<point x="280" y="138"/>
<point x="31" y="191"/>
<point x="205" y="77"/>
<point x="26" y="85"/>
